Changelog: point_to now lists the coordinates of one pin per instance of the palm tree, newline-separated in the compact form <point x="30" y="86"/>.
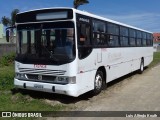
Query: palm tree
<point x="6" y="21"/>
<point x="77" y="3"/>
<point x="10" y="22"/>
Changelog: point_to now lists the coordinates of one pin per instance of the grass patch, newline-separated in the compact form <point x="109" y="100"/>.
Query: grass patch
<point x="7" y="59"/>
<point x="6" y="77"/>
<point x="156" y="59"/>
<point x="7" y="71"/>
<point x="20" y="102"/>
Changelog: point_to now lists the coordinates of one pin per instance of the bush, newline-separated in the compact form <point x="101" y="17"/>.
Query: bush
<point x="7" y="59"/>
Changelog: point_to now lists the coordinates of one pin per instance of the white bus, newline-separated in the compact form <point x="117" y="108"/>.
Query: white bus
<point x="71" y="52"/>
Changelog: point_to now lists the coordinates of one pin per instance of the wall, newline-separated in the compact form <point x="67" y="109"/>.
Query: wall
<point x="7" y="48"/>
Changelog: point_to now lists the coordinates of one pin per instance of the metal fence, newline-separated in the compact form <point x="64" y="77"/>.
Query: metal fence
<point x="7" y="48"/>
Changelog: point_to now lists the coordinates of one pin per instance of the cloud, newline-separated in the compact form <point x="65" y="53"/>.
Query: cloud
<point x="147" y="21"/>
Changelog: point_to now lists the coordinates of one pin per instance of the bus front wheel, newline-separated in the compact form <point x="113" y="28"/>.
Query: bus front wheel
<point x="98" y="82"/>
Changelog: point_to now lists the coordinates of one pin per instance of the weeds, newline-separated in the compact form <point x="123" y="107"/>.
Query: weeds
<point x="6" y="77"/>
<point x="7" y="59"/>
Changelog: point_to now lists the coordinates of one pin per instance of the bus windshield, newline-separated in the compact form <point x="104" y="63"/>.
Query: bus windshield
<point x="46" y="43"/>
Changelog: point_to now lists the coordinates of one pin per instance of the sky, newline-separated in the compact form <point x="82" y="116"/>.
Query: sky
<point x="144" y="14"/>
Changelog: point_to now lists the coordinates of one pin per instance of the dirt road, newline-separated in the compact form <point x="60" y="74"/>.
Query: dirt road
<point x="132" y="93"/>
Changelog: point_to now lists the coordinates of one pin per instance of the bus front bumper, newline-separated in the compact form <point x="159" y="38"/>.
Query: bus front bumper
<point x="69" y="89"/>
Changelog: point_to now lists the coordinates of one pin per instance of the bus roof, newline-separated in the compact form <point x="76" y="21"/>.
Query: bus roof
<point x="106" y="19"/>
<point x="91" y="15"/>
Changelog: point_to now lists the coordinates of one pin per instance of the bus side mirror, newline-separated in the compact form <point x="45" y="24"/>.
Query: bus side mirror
<point x="7" y="35"/>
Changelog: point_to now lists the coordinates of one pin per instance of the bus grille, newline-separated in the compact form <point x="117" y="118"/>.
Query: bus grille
<point x="40" y="77"/>
<point x="41" y="71"/>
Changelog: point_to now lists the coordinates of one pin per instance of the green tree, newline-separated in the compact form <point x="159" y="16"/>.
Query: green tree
<point x="6" y="21"/>
<point x="77" y="3"/>
<point x="10" y="22"/>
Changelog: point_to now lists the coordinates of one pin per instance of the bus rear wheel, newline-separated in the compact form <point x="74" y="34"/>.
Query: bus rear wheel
<point x="141" y="67"/>
<point x="98" y="82"/>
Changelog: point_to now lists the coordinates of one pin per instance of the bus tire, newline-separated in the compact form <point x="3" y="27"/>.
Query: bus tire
<point x="141" y="67"/>
<point x="98" y="83"/>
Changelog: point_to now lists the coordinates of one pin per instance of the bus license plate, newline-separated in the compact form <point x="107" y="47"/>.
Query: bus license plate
<point x="38" y="86"/>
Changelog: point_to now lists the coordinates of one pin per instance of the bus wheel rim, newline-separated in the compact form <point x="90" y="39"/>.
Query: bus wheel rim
<point x="142" y="67"/>
<point x="98" y="82"/>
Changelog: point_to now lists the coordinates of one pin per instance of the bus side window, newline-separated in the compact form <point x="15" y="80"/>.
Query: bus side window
<point x="99" y="30"/>
<point x="113" y="32"/>
<point x="144" y="40"/>
<point x="149" y="39"/>
<point x="84" y="34"/>
<point x="139" y="38"/>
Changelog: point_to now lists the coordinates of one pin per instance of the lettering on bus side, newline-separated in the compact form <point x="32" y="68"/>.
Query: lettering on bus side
<point x="84" y="20"/>
<point x="40" y="66"/>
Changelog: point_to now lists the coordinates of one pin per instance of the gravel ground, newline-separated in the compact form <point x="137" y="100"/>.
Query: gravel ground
<point x="134" y="92"/>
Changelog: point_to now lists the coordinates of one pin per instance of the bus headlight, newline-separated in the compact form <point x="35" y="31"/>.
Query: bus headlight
<point x="20" y="76"/>
<point x="72" y="80"/>
<point x="66" y="80"/>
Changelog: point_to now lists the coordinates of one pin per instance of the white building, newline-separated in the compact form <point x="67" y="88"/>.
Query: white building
<point x="1" y="31"/>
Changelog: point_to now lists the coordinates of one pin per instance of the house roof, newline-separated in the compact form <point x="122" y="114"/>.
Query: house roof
<point x="156" y="37"/>
<point x="156" y="34"/>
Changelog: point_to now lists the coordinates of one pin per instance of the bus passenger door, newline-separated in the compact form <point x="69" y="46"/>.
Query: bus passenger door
<point x="99" y="51"/>
<point x="86" y="57"/>
<point x="99" y="57"/>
